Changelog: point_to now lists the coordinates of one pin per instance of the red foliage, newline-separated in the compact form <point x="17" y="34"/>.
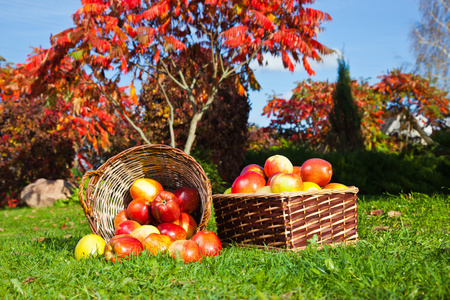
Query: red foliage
<point x="303" y="118"/>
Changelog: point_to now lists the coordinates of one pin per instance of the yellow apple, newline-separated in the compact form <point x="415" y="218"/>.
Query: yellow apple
<point x="265" y="189"/>
<point x="310" y="186"/>
<point x="142" y="232"/>
<point x="89" y="245"/>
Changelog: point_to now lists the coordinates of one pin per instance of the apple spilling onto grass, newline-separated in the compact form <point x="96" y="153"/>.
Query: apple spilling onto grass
<point x="122" y="247"/>
<point x="160" y="221"/>
<point x="279" y="175"/>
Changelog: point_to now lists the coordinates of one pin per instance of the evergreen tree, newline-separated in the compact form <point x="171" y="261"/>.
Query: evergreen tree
<point x="345" y="120"/>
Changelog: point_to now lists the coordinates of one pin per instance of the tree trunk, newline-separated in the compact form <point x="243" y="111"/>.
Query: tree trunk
<point x="192" y="129"/>
<point x="422" y="133"/>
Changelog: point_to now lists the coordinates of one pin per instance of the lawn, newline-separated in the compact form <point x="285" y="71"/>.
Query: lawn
<point x="402" y="253"/>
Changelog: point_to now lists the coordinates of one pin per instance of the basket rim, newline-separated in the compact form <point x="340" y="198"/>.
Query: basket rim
<point x="349" y="190"/>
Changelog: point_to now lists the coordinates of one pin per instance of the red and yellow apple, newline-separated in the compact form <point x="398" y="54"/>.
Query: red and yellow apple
<point x="174" y="231"/>
<point x="157" y="243"/>
<point x="145" y="188"/>
<point x="297" y="170"/>
<point x="188" y="223"/>
<point x="187" y="250"/>
<point x="120" y="217"/>
<point x="286" y="182"/>
<point x="126" y="227"/>
<point x="143" y="231"/>
<point x="188" y="199"/>
<point x="208" y="242"/>
<point x="248" y="182"/>
<point x="254" y="167"/>
<point x="335" y="186"/>
<point x="277" y="163"/>
<point x="122" y="247"/>
<point x="317" y="170"/>
<point x="165" y="207"/>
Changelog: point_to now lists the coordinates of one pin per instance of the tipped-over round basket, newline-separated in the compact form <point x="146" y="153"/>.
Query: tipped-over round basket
<point x="105" y="192"/>
<point x="287" y="220"/>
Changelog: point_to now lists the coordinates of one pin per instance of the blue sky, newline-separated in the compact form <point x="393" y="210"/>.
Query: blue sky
<point x="373" y="35"/>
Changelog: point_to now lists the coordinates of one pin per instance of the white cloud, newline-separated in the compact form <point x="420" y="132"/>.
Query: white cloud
<point x="275" y="64"/>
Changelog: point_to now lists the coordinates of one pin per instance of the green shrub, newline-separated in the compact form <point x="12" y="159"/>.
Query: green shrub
<point x="203" y="157"/>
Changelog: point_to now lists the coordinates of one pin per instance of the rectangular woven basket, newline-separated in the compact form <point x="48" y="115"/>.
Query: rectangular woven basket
<point x="287" y="220"/>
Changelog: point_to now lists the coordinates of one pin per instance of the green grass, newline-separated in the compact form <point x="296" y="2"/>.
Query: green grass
<point x="404" y="257"/>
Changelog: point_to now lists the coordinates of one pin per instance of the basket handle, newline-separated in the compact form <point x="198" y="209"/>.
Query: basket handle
<point x="87" y="210"/>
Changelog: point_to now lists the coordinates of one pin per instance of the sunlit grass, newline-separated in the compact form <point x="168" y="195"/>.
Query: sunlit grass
<point x="405" y="256"/>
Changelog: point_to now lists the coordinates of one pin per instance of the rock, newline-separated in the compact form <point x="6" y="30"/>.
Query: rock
<point x="43" y="192"/>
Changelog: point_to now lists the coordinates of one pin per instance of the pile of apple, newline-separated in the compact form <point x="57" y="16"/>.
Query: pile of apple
<point x="280" y="175"/>
<point x="160" y="222"/>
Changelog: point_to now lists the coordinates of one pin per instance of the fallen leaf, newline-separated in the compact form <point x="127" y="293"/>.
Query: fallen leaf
<point x="43" y="220"/>
<point x="64" y="226"/>
<point x="29" y="279"/>
<point x="6" y="214"/>
<point x="35" y="228"/>
<point x="39" y="239"/>
<point x="380" y="228"/>
<point x="18" y="217"/>
<point x="67" y="236"/>
<point x="394" y="213"/>
<point x="83" y="221"/>
<point x="33" y="211"/>
<point x="71" y="223"/>
<point x="1" y="229"/>
<point x="30" y="216"/>
<point x="377" y="212"/>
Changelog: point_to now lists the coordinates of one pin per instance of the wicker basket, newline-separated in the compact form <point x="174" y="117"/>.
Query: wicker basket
<point x="107" y="188"/>
<point x="287" y="220"/>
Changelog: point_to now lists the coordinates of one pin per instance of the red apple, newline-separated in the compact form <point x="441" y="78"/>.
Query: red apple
<point x="277" y="163"/>
<point x="317" y="170"/>
<point x="188" y="199"/>
<point x="297" y="170"/>
<point x="157" y="243"/>
<point x="286" y="182"/>
<point x="165" y="207"/>
<point x="145" y="188"/>
<point x="208" y="242"/>
<point x="188" y="250"/>
<point x="120" y="217"/>
<point x="126" y="227"/>
<point x="176" y="232"/>
<point x="248" y="182"/>
<point x="188" y="223"/>
<point x="254" y="167"/>
<point x="139" y="210"/>
<point x="122" y="246"/>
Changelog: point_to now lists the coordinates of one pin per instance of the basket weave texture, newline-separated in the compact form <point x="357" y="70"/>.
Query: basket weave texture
<point x="287" y="220"/>
<point x="107" y="188"/>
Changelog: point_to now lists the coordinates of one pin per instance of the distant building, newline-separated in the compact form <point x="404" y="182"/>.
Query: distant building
<point x="394" y="128"/>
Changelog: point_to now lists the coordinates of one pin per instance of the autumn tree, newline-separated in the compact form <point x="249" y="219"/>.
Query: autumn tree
<point x="409" y="96"/>
<point x="431" y="41"/>
<point x="228" y="116"/>
<point x="344" y="117"/>
<point x="406" y="95"/>
<point x="142" y="40"/>
<point x="304" y="117"/>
